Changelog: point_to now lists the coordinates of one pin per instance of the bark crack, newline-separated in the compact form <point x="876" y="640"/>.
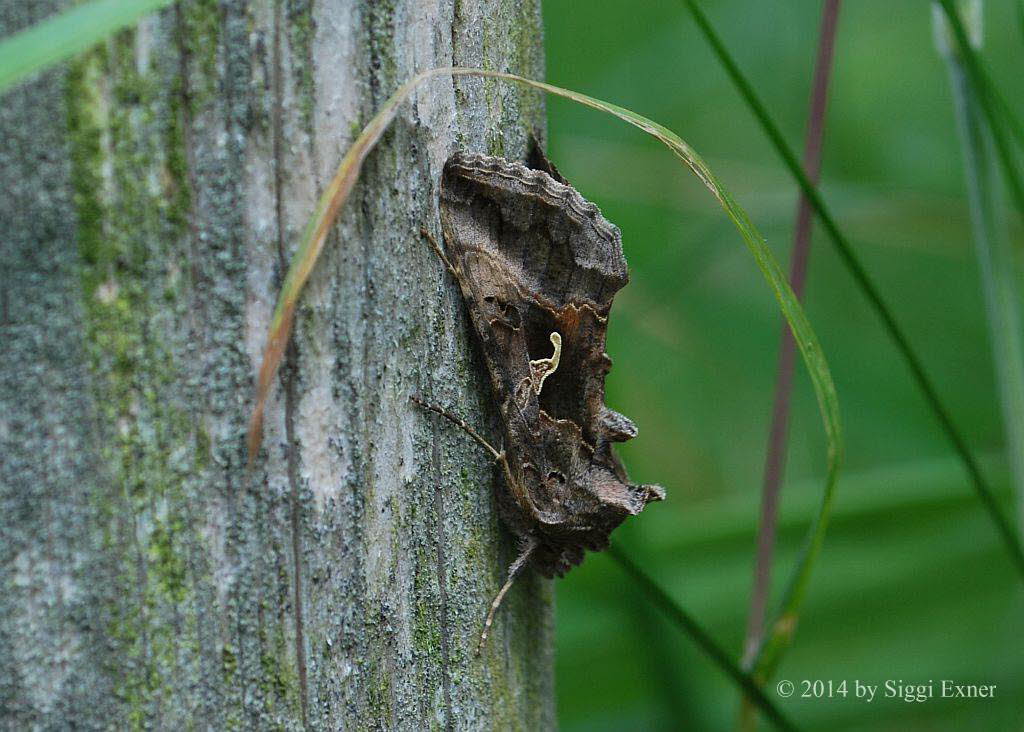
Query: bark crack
<point x="288" y="375"/>
<point x="442" y="586"/>
<point x="185" y="101"/>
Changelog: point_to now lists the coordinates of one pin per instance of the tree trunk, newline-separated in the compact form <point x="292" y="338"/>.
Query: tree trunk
<point x="154" y="190"/>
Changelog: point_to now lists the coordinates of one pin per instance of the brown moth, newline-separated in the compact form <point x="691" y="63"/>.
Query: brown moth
<point x="538" y="267"/>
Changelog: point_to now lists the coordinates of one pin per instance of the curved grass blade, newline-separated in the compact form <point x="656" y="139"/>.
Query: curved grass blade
<point x="66" y="34"/>
<point x="867" y="286"/>
<point x="337" y="192"/>
<point x="680" y="617"/>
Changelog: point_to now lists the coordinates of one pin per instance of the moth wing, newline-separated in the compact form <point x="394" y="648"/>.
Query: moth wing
<point x="534" y="258"/>
<point x="562" y="264"/>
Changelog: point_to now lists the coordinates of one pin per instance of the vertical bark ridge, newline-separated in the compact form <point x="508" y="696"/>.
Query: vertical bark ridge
<point x="288" y="377"/>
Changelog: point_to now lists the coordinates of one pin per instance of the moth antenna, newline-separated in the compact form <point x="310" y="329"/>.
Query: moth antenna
<point x="513" y="572"/>
<point x="438" y="251"/>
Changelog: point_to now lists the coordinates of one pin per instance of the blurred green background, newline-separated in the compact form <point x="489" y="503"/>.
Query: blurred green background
<point x="913" y="584"/>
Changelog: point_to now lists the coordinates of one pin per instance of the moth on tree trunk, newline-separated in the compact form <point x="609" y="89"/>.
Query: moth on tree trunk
<point x="538" y="267"/>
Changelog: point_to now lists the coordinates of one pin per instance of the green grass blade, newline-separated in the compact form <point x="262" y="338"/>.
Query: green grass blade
<point x="778" y="433"/>
<point x="337" y="192"/>
<point x="988" y="99"/>
<point x="982" y="76"/>
<point x="850" y="260"/>
<point x="66" y="34"/>
<point x="1000" y="282"/>
<point x="693" y="629"/>
<point x="996" y="96"/>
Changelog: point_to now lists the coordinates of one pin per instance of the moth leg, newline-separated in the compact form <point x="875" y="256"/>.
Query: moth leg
<point x="525" y="552"/>
<point x="498" y="455"/>
<point x="438" y="251"/>
<point x="529" y="545"/>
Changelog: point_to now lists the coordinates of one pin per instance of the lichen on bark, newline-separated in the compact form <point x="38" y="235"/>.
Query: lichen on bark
<point x="155" y="186"/>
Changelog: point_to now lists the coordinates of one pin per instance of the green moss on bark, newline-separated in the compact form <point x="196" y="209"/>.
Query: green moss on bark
<point x="301" y="33"/>
<point x="114" y="118"/>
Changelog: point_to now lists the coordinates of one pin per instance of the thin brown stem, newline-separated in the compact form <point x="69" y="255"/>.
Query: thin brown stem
<point x="775" y="459"/>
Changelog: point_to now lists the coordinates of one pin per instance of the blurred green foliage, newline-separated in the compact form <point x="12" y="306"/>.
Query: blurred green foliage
<point x="913" y="583"/>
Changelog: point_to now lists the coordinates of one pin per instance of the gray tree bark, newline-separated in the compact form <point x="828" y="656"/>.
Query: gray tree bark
<point x="153" y="191"/>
